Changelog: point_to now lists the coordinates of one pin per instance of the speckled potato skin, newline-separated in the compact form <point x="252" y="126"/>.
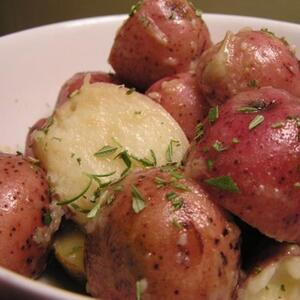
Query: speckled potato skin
<point x="244" y="61"/>
<point x="76" y="81"/>
<point x="199" y="260"/>
<point x="178" y="94"/>
<point x="24" y="198"/>
<point x="162" y="38"/>
<point x="263" y="162"/>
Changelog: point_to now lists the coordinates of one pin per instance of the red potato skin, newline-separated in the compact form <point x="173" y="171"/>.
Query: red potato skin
<point x="126" y="246"/>
<point x="179" y="96"/>
<point x="76" y="81"/>
<point x="162" y="38"/>
<point x="24" y="198"/>
<point x="264" y="163"/>
<point x="251" y="59"/>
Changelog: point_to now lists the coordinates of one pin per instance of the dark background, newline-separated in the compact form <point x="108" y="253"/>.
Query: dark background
<point x="16" y="15"/>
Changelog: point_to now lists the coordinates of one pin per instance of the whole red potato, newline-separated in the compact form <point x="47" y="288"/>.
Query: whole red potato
<point x="162" y="238"/>
<point x="178" y="94"/>
<point x="26" y="216"/>
<point x="249" y="160"/>
<point x="245" y="61"/>
<point x="160" y="38"/>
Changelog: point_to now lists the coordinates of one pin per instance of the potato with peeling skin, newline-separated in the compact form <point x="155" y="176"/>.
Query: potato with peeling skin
<point x="248" y="161"/>
<point x="163" y="234"/>
<point x="103" y="115"/>
<point x="24" y="213"/>
<point x="160" y="38"/>
<point x="74" y="84"/>
<point x="179" y="95"/>
<point x="245" y="61"/>
<point x="275" y="275"/>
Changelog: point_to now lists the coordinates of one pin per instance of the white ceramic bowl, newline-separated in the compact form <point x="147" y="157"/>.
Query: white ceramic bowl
<point x="33" y="66"/>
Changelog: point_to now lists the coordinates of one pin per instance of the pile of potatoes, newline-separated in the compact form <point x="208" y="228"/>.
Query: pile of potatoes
<point x="180" y="172"/>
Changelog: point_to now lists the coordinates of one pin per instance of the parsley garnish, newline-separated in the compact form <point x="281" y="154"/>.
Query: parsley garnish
<point x="138" y="202"/>
<point x="135" y="8"/>
<point x="105" y="150"/>
<point x="213" y="114"/>
<point x="218" y="146"/>
<point x="169" y="152"/>
<point x="177" y="224"/>
<point x="47" y="219"/>
<point x="224" y="183"/>
<point x="256" y="121"/>
<point x="199" y="132"/>
<point x="247" y="109"/>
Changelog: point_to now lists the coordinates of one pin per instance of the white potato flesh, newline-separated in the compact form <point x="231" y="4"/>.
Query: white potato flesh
<point x="279" y="280"/>
<point x="99" y="115"/>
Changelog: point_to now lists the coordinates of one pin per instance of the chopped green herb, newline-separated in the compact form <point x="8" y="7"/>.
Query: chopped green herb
<point x="78" y="159"/>
<point x="138" y="202"/>
<point x="94" y="211"/>
<point x="19" y="153"/>
<point x="153" y="157"/>
<point x="170" y="150"/>
<point x="199" y="132"/>
<point x="181" y="187"/>
<point x="130" y="91"/>
<point x="137" y="112"/>
<point x="124" y="155"/>
<point x="282" y="287"/>
<point x="146" y="162"/>
<point x="256" y="121"/>
<point x="105" y="150"/>
<point x="47" y="219"/>
<point x="235" y="141"/>
<point x="266" y="287"/>
<point x="176" y="201"/>
<point x="224" y="183"/>
<point x="138" y="290"/>
<point x="257" y="270"/>
<point x="175" y="175"/>
<point x="73" y="199"/>
<point x="110" y="199"/>
<point x="218" y="146"/>
<point x="247" y="109"/>
<point x="177" y="224"/>
<point x="160" y="182"/>
<point x="33" y="161"/>
<point x="277" y="125"/>
<point x="135" y="8"/>
<point x="72" y="155"/>
<point x="57" y="139"/>
<point x="252" y="83"/>
<point x="213" y="114"/>
<point x="210" y="164"/>
<point x="101" y="175"/>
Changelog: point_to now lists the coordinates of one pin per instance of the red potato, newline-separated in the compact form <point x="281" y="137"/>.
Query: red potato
<point x="24" y="216"/>
<point x="76" y="81"/>
<point x="179" y="95"/>
<point x="249" y="158"/>
<point x="179" y="246"/>
<point x="245" y="61"/>
<point x="159" y="39"/>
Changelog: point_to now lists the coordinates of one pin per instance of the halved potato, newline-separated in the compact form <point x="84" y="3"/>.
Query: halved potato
<point x="105" y="130"/>
<point x="275" y="277"/>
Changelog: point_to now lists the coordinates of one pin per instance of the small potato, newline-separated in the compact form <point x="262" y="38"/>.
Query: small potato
<point x="72" y="85"/>
<point x="26" y="217"/>
<point x="244" y="61"/>
<point x="69" y="245"/>
<point x="179" y="96"/>
<point x="159" y="39"/>
<point x="275" y="275"/>
<point x="162" y="238"/>
<point x="248" y="160"/>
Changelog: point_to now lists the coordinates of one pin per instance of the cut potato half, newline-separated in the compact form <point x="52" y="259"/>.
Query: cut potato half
<point x="276" y="278"/>
<point x="104" y="130"/>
